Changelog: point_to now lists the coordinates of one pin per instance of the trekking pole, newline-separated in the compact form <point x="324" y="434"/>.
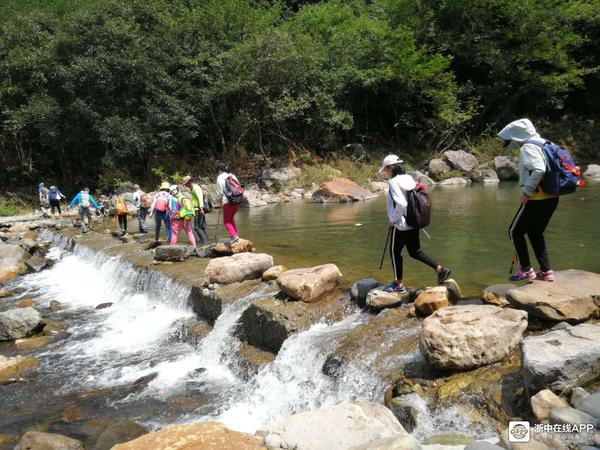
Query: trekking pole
<point x="218" y="220"/>
<point x="385" y="248"/>
<point x="512" y="264"/>
<point x="426" y="233"/>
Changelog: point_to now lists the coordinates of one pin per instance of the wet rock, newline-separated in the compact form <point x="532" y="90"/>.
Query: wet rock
<point x="380" y="299"/>
<point x="228" y="248"/>
<point x="52" y="328"/>
<point x="236" y="268"/>
<point x="591" y="405"/>
<point x="268" y="322"/>
<point x="577" y="396"/>
<point x="461" y="160"/>
<point x="12" y="261"/>
<point x="361" y="288"/>
<point x="506" y="168"/>
<point x="173" y="253"/>
<point x="438" y="167"/>
<point x="405" y="413"/>
<point x="496" y="294"/>
<point x="104" y="305"/>
<point x="117" y="433"/>
<point x="311" y="283"/>
<point x="35" y="440"/>
<point x="55" y="306"/>
<point x="570" y="415"/>
<point x="37" y="263"/>
<point x="592" y="171"/>
<point x="192" y="331"/>
<point x="485" y="176"/>
<point x="4" y="293"/>
<point x="340" y="190"/>
<point x="543" y="402"/>
<point x="121" y="391"/>
<point x="561" y="359"/>
<point x="348" y="425"/>
<point x="573" y="296"/>
<point x="482" y="445"/>
<point x="420" y="177"/>
<point x="460" y="337"/>
<point x="378" y="186"/>
<point x="25" y="303"/>
<point x="253" y="198"/>
<point x="10" y="367"/>
<point x="207" y="435"/>
<point x="18" y="323"/>
<point x="374" y="346"/>
<point x="252" y="359"/>
<point x="454" y="291"/>
<point x="455" y="181"/>
<point x="33" y="343"/>
<point x="273" y="273"/>
<point x="208" y="303"/>
<point x="432" y="299"/>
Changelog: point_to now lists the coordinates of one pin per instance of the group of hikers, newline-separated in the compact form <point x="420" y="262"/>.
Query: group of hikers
<point x="178" y="210"/>
<point x="545" y="172"/>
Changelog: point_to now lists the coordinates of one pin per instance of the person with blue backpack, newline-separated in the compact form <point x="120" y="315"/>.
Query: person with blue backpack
<point x="54" y="198"/>
<point x="84" y="201"/>
<point x="546" y="171"/>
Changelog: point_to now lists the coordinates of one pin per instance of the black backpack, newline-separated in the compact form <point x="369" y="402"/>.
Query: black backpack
<point x="207" y="203"/>
<point x="418" y="210"/>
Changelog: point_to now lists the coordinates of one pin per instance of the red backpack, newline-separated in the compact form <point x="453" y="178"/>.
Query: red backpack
<point x="233" y="191"/>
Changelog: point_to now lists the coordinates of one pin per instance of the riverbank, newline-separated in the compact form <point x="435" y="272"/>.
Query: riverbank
<point x="257" y="335"/>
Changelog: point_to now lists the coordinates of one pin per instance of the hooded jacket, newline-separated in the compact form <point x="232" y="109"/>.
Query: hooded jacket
<point x="532" y="163"/>
<point x="396" y="200"/>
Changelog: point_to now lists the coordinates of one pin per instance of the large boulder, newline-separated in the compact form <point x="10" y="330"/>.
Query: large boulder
<point x="561" y="359"/>
<point x="253" y="198"/>
<point x="432" y="299"/>
<point x="340" y="190"/>
<point x="229" y="248"/>
<point x="12" y="366"/>
<point x="18" y="323"/>
<point x="12" y="261"/>
<point x="359" y="425"/>
<point x="462" y="337"/>
<point x="191" y="330"/>
<point x="273" y="273"/>
<point x="280" y="174"/>
<point x="35" y="440"/>
<point x="590" y="405"/>
<point x="37" y="263"/>
<point x="438" y="168"/>
<point x="573" y="296"/>
<point x="461" y="160"/>
<point x="116" y="433"/>
<point x="207" y="435"/>
<point x="543" y="402"/>
<point x="173" y="253"/>
<point x="455" y="181"/>
<point x="309" y="284"/>
<point x="380" y="299"/>
<point x="592" y="171"/>
<point x="268" y="322"/>
<point x="496" y="294"/>
<point x="485" y="176"/>
<point x="506" y="168"/>
<point x="236" y="268"/>
<point x="420" y="177"/>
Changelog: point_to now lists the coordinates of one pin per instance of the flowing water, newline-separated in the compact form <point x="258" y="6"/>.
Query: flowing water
<point x="107" y="350"/>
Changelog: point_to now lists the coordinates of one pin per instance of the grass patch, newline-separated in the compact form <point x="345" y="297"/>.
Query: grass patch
<point x="487" y="148"/>
<point x="10" y="207"/>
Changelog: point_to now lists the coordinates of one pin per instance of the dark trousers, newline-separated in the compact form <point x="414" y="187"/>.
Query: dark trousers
<point x="141" y="216"/>
<point x="55" y="204"/>
<point x="84" y="212"/>
<point x="159" y="218"/>
<point x="200" y="228"/>
<point x="410" y="240"/>
<point x="122" y="222"/>
<point x="532" y="219"/>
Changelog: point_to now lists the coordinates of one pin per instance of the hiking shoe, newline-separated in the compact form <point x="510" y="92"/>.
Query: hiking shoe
<point x="235" y="239"/>
<point x="443" y="275"/>
<point x="395" y="287"/>
<point x="545" y="276"/>
<point x="523" y="276"/>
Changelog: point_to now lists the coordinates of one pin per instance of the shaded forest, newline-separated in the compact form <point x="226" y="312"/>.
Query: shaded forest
<point x="97" y="91"/>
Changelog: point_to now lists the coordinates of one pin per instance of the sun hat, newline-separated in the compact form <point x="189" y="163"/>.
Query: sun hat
<point x="165" y="185"/>
<point x="389" y="160"/>
<point x="186" y="179"/>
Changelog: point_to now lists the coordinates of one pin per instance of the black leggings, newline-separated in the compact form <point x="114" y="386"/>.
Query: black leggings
<point x="410" y="239"/>
<point x="122" y="221"/>
<point x="55" y="205"/>
<point x="532" y="219"/>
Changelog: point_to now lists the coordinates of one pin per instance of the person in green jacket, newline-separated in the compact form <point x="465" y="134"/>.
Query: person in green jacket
<point x="199" y="214"/>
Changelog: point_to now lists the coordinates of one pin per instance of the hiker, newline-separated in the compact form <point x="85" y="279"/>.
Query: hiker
<point x="198" y="200"/>
<point x="54" y="197"/>
<point x="536" y="208"/>
<point x="402" y="234"/>
<point x="84" y="200"/>
<point x="181" y="213"/>
<point x="43" y="196"/>
<point x="228" y="187"/>
<point x="121" y="210"/>
<point x="159" y="208"/>
<point x="142" y="202"/>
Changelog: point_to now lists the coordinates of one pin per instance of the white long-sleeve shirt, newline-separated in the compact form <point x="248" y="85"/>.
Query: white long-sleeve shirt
<point x="396" y="200"/>
<point x="221" y="185"/>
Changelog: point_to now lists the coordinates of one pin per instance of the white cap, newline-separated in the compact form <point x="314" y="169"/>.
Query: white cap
<point x="389" y="160"/>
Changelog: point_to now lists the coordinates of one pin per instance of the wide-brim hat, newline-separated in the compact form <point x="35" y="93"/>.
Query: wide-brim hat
<point x="164" y="185"/>
<point x="187" y="179"/>
<point x="390" y="160"/>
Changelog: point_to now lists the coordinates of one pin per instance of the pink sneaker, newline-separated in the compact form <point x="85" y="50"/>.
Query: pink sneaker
<point x="545" y="276"/>
<point x="523" y="276"/>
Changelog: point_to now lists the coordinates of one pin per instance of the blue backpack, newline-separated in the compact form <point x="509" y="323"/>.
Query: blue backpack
<point x="562" y="175"/>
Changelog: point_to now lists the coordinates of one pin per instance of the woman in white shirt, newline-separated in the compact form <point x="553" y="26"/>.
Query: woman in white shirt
<point x="232" y="194"/>
<point x="403" y="235"/>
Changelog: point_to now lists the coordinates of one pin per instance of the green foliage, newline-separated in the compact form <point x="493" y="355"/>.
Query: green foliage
<point x="100" y="91"/>
<point x="11" y="207"/>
